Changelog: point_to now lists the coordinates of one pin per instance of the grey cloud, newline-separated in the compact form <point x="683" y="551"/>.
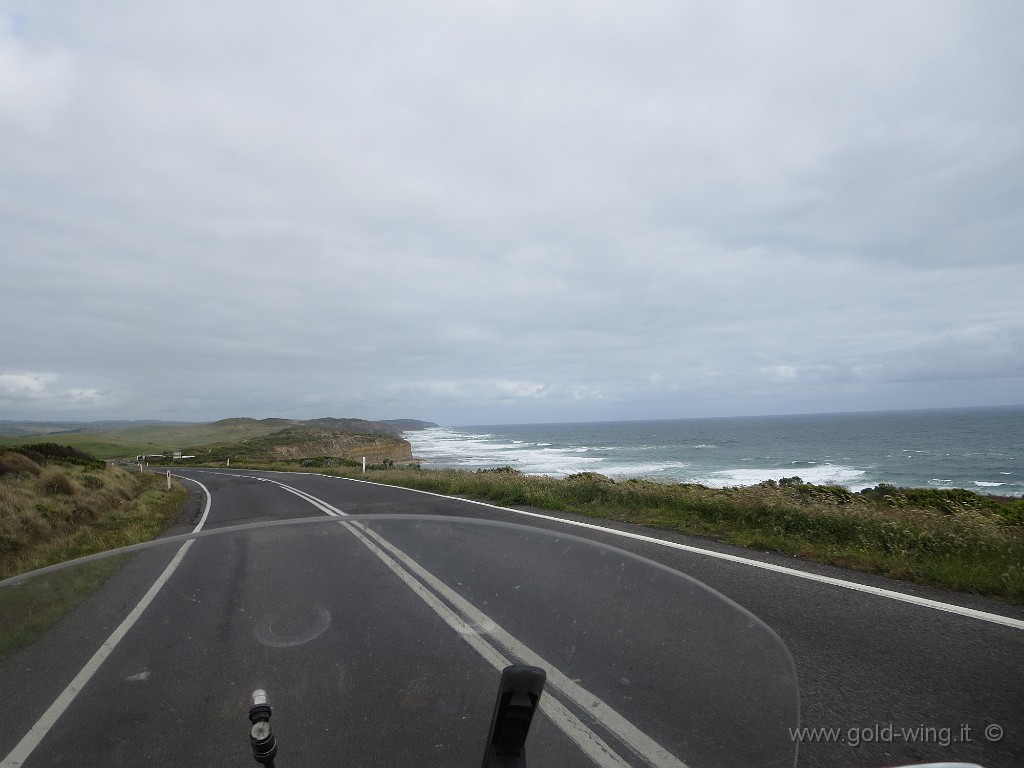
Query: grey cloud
<point x="510" y="212"/>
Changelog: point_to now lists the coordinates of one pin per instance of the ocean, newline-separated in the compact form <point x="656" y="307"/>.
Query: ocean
<point x="981" y="449"/>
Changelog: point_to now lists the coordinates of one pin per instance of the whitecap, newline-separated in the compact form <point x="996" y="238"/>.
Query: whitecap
<point x="827" y="474"/>
<point x="657" y="469"/>
<point x="468" y="450"/>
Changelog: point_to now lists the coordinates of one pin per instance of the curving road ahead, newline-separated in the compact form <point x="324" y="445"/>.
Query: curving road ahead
<point x="922" y="675"/>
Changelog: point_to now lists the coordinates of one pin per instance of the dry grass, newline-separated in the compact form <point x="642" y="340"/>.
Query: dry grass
<point x="58" y="512"/>
<point x="13" y="463"/>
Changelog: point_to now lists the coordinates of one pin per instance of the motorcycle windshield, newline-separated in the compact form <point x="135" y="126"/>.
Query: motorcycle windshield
<point x="380" y="641"/>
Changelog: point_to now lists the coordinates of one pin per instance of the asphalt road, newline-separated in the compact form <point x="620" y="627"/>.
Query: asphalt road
<point x="357" y="633"/>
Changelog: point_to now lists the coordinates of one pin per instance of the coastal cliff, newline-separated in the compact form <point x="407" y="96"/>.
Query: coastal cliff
<point x="300" y="441"/>
<point x="376" y="448"/>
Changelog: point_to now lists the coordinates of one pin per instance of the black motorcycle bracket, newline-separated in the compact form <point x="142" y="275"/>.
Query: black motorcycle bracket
<point x="261" y="735"/>
<point x="518" y="698"/>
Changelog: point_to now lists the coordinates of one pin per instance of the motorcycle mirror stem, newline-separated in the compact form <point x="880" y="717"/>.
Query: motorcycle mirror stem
<point x="261" y="735"/>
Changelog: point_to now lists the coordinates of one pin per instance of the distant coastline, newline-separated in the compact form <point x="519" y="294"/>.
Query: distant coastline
<point x="239" y="438"/>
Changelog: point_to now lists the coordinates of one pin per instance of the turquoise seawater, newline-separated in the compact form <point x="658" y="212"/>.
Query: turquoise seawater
<point x="981" y="449"/>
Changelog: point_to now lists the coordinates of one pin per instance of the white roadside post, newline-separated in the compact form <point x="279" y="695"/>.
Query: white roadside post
<point x="364" y="465"/>
<point x="168" y="479"/>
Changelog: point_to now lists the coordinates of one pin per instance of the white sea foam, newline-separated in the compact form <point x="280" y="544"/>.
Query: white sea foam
<point x="447" y="447"/>
<point x="825" y="474"/>
<point x="740" y="452"/>
<point x="664" y="469"/>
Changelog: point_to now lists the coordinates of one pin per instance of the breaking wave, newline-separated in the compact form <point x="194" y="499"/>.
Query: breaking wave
<point x="858" y="451"/>
<point x="824" y="474"/>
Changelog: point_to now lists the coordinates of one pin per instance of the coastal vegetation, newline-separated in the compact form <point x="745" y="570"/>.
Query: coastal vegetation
<point x="59" y="503"/>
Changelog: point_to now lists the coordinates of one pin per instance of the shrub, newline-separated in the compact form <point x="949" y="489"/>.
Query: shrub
<point x="92" y="481"/>
<point x="64" y="454"/>
<point x="56" y="483"/>
<point x="1012" y="514"/>
<point x="328" y="461"/>
<point x="589" y="477"/>
<point x="28" y="453"/>
<point x="15" y="463"/>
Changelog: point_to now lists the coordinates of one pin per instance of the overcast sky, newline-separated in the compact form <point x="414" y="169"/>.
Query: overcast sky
<point x="500" y="212"/>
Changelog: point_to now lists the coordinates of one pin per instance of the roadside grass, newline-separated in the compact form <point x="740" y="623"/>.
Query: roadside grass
<point x="59" y="511"/>
<point x="63" y="511"/>
<point x="949" y="538"/>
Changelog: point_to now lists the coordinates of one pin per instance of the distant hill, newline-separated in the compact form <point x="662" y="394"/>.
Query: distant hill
<point x="272" y="437"/>
<point x="410" y="425"/>
<point x="360" y="426"/>
<point x="303" y="441"/>
<point x="245" y="421"/>
<point x="39" y="428"/>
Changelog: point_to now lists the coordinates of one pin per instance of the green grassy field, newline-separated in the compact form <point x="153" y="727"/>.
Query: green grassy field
<point x="90" y="443"/>
<point x="140" y="439"/>
<point x="152" y="438"/>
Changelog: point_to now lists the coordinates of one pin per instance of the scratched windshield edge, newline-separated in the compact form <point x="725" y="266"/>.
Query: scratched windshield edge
<point x="384" y="637"/>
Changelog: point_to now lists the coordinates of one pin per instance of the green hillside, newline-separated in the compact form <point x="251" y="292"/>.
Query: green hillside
<point x="248" y="436"/>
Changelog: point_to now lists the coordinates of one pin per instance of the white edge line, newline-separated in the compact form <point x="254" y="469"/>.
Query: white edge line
<point x="209" y="503"/>
<point x="37" y="732"/>
<point x="923" y="602"/>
